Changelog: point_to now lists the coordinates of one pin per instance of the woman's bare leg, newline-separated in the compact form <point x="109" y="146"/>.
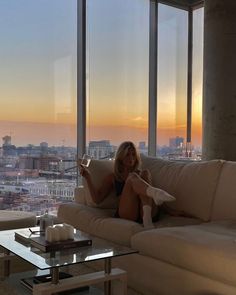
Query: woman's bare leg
<point x="145" y="200"/>
<point x="142" y="187"/>
<point x="136" y="189"/>
<point x="129" y="202"/>
<point x="148" y="208"/>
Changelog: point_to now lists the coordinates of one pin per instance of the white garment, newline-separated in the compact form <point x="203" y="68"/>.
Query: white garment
<point x="158" y="195"/>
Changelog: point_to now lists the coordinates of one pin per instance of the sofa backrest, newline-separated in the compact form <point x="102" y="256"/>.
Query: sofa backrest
<point x="193" y="184"/>
<point x="224" y="206"/>
<point x="99" y="169"/>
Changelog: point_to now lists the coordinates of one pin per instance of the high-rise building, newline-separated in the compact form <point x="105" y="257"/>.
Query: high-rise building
<point x="142" y="147"/>
<point x="176" y="142"/>
<point x="44" y="148"/>
<point x="6" y="140"/>
<point x="100" y="149"/>
<point x="8" y="148"/>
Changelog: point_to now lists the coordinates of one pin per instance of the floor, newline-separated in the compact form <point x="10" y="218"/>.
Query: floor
<point x="14" y="282"/>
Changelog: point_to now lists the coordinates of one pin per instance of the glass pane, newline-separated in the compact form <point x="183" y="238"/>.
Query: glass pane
<point x="117" y="77"/>
<point x="19" y="244"/>
<point x="38" y="103"/>
<point x="197" y="82"/>
<point x="172" y="81"/>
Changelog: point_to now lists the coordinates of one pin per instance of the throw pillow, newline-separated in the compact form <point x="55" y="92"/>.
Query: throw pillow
<point x="99" y="169"/>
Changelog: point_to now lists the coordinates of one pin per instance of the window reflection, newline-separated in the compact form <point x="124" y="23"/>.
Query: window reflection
<point x="197" y="81"/>
<point x="117" y="73"/>
<point x="38" y="104"/>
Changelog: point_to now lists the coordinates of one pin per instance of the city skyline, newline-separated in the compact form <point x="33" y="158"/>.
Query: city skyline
<point x="8" y="140"/>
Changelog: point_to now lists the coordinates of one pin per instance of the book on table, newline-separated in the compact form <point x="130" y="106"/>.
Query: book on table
<point x="23" y="235"/>
<point x="45" y="246"/>
<point x="31" y="281"/>
<point x="38" y="241"/>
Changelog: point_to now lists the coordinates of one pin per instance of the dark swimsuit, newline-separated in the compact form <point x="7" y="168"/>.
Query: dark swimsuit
<point x="119" y="185"/>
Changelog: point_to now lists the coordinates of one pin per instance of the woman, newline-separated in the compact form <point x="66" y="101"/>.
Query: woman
<point x="138" y="200"/>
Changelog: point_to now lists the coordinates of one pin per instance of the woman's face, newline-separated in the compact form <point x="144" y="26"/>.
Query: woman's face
<point x="130" y="158"/>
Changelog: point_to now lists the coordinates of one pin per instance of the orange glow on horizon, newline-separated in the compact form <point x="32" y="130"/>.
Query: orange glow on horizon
<point x="24" y="133"/>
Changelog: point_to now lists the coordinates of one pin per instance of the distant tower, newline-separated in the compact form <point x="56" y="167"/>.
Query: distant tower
<point x="44" y="144"/>
<point x="176" y="142"/>
<point x="142" y="145"/>
<point x="8" y="148"/>
<point x="6" y="140"/>
<point x="100" y="149"/>
<point x="44" y="147"/>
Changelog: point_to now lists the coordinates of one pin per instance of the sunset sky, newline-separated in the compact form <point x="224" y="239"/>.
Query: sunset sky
<point x="38" y="71"/>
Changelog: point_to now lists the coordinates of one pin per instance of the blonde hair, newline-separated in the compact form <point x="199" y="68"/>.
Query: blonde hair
<point x="121" y="154"/>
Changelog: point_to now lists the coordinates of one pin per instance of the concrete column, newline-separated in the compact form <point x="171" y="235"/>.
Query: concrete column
<point x="219" y="80"/>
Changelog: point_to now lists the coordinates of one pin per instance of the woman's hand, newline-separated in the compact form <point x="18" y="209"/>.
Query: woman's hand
<point x="132" y="176"/>
<point x="84" y="171"/>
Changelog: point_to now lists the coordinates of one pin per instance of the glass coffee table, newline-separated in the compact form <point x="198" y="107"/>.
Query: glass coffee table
<point x="56" y="260"/>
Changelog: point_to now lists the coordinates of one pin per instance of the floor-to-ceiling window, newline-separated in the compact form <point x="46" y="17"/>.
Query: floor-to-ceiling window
<point x="197" y="81"/>
<point x="37" y="103"/>
<point x="38" y="82"/>
<point x="117" y="74"/>
<point x="172" y="81"/>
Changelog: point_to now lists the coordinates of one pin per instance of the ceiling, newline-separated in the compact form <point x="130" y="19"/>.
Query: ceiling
<point x="184" y="4"/>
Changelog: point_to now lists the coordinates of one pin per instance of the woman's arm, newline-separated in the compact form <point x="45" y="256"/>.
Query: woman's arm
<point x="98" y="195"/>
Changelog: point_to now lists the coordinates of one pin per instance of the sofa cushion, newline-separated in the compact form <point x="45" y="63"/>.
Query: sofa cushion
<point x="99" y="222"/>
<point x="70" y="213"/>
<point x="165" y="174"/>
<point x="16" y="219"/>
<point x="196" y="188"/>
<point x="79" y="195"/>
<point x="192" y="184"/>
<point x="224" y="206"/>
<point x="207" y="249"/>
<point x="100" y="169"/>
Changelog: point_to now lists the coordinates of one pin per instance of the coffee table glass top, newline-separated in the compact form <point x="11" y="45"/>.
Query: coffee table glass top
<point x="100" y="249"/>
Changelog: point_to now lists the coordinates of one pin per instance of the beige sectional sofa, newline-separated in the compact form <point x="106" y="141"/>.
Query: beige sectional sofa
<point x="182" y="255"/>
